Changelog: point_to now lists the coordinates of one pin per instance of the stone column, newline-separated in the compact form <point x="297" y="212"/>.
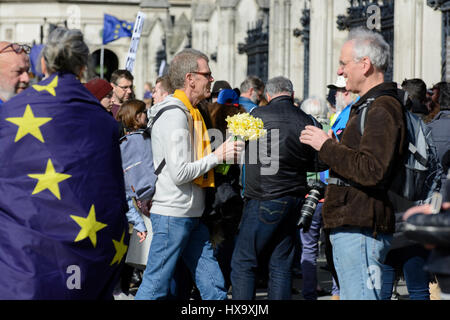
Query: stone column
<point x="320" y="46"/>
<point x="296" y="60"/>
<point x="226" y="48"/>
<point x="156" y="26"/>
<point x="280" y="34"/>
<point x="417" y="49"/>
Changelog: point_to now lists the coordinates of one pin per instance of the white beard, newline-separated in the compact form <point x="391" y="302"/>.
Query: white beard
<point x="340" y="103"/>
<point x="6" y="94"/>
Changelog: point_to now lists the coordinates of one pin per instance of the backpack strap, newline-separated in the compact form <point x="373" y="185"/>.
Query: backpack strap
<point x="160" y="167"/>
<point x="362" y="116"/>
<point x="363" y="109"/>
<point x="139" y="131"/>
<point x="148" y="131"/>
<point x="158" y="114"/>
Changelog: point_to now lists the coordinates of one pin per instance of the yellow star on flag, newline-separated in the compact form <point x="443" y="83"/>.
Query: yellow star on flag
<point x="50" y="88"/>
<point x="121" y="249"/>
<point x="49" y="180"/>
<point x="29" y="124"/>
<point x="89" y="226"/>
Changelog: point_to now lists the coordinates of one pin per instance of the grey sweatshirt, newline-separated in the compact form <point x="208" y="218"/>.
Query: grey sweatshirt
<point x="172" y="139"/>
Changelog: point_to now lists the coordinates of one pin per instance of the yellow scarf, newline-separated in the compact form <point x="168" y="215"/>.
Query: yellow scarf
<point x="203" y="147"/>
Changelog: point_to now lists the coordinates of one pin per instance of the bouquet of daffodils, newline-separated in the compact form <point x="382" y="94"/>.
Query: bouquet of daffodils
<point x="245" y="127"/>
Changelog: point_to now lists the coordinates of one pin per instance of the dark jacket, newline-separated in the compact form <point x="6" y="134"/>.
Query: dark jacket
<point x="433" y="229"/>
<point x="440" y="131"/>
<point x="368" y="161"/>
<point x="293" y="158"/>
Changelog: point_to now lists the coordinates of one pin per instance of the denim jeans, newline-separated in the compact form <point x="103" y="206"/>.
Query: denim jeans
<point x="268" y="228"/>
<point x="310" y="251"/>
<point x="358" y="258"/>
<point x="416" y="278"/>
<point x="186" y="238"/>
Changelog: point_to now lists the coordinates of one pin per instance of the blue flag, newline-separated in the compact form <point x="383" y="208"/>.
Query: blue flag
<point x="34" y="59"/>
<point x="114" y="28"/>
<point x="63" y="229"/>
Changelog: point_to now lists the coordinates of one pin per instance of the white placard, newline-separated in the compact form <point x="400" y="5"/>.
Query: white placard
<point x="131" y="57"/>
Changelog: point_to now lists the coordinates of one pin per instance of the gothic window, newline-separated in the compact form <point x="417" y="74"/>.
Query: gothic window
<point x="256" y="47"/>
<point x="357" y="15"/>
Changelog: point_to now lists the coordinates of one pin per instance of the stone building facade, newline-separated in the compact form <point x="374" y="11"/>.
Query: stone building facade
<point x="300" y="39"/>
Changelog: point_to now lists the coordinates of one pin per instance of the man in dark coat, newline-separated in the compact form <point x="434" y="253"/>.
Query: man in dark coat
<point x="275" y="187"/>
<point x="357" y="209"/>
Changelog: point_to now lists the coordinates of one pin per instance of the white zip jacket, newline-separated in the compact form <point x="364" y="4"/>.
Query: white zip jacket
<point x="172" y="139"/>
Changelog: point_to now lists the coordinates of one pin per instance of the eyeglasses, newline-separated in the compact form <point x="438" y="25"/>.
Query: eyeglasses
<point x="208" y="75"/>
<point x="17" y="48"/>
<point x="125" y="87"/>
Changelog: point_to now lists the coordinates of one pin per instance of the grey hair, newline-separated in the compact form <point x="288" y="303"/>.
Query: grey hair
<point x="183" y="63"/>
<point x="65" y="51"/>
<point x="279" y="85"/>
<point x="251" y="82"/>
<point x="370" y="44"/>
<point x="317" y="107"/>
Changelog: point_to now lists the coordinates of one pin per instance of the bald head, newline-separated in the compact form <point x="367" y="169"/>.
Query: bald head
<point x="13" y="71"/>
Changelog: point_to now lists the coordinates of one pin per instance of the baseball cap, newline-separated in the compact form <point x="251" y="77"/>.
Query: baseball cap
<point x="228" y="97"/>
<point x="340" y="83"/>
<point x="220" y="85"/>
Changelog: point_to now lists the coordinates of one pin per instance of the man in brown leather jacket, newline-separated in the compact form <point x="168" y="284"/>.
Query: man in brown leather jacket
<point x="357" y="211"/>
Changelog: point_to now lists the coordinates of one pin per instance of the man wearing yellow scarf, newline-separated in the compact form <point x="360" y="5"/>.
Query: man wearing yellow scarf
<point x="180" y="138"/>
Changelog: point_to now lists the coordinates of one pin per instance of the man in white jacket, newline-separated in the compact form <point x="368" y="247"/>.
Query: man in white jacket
<point x="179" y="199"/>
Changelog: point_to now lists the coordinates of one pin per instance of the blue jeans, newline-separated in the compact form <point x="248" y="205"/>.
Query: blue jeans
<point x="358" y="258"/>
<point x="310" y="251"/>
<point x="417" y="279"/>
<point x="268" y="228"/>
<point x="186" y="238"/>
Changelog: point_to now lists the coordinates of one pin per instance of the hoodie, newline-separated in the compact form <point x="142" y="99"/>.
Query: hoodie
<point x="172" y="139"/>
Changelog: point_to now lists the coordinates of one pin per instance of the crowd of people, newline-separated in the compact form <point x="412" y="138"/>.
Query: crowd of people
<point x="206" y="234"/>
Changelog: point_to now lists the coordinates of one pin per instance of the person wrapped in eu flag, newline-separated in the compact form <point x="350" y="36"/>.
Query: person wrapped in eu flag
<point x="63" y="229"/>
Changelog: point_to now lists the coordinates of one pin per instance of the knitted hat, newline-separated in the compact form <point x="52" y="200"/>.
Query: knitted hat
<point x="99" y="88"/>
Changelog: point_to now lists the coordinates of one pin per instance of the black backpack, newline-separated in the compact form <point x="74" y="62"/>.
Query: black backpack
<point x="421" y="172"/>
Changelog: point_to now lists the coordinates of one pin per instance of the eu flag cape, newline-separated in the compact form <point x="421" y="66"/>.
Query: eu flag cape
<point x="63" y="229"/>
<point x="114" y="28"/>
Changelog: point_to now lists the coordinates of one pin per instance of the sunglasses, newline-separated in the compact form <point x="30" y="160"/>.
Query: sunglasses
<point x="17" y="48"/>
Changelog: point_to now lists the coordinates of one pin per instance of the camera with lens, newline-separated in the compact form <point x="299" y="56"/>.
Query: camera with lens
<point x="316" y="192"/>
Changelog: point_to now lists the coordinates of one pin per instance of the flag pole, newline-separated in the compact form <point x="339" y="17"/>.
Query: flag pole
<point x="102" y="58"/>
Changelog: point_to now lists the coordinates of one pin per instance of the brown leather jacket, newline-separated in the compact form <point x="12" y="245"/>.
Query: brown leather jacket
<point x="368" y="161"/>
